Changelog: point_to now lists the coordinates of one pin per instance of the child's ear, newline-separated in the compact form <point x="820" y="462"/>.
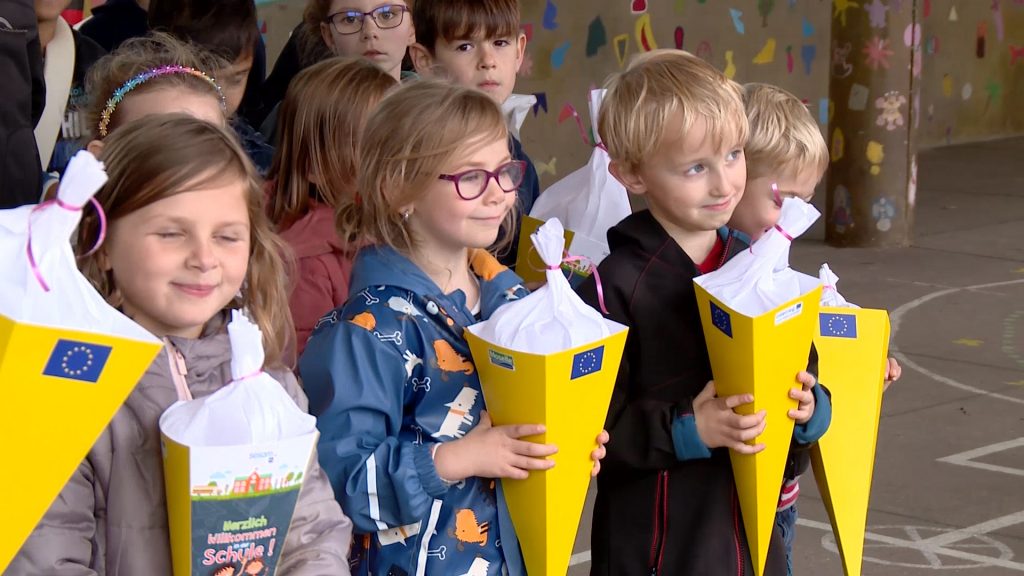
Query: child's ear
<point x="628" y="176"/>
<point x="520" y="50"/>
<point x="95" y="147"/>
<point x="325" y="34"/>
<point x="422" y="59"/>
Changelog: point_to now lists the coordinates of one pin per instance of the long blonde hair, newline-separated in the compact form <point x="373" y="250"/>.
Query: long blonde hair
<point x="321" y="121"/>
<point x="414" y="132"/>
<point x="161" y="155"/>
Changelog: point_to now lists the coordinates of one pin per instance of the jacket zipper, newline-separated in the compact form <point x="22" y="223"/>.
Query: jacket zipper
<point x="179" y="371"/>
<point x="660" y="523"/>
<point x="737" y="535"/>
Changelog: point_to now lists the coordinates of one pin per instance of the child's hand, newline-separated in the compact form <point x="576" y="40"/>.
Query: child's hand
<point x="805" y="397"/>
<point x="893" y="371"/>
<point x="599" y="452"/>
<point x="493" y="452"/>
<point x="718" y="425"/>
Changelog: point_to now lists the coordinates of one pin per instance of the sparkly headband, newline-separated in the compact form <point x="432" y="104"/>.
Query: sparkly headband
<point x="144" y="77"/>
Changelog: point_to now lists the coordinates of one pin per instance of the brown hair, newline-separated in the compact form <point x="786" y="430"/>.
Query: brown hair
<point x="459" y="19"/>
<point x="309" y="41"/>
<point x="412" y="135"/>
<point x="226" y="28"/>
<point x="138" y="55"/>
<point x="157" y="157"/>
<point x="656" y="85"/>
<point x="320" y="124"/>
<point x="783" y="134"/>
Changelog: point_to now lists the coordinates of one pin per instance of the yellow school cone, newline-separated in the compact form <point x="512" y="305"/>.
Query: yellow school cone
<point x="760" y="355"/>
<point x="60" y="389"/>
<point x="852" y="344"/>
<point x="569" y="393"/>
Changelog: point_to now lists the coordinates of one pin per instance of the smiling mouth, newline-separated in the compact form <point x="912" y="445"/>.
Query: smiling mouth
<point x="720" y="206"/>
<point x="198" y="290"/>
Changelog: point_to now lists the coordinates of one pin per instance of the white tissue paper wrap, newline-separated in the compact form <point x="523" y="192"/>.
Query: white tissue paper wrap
<point x="830" y="296"/>
<point x="758" y="280"/>
<point x="588" y="201"/>
<point x="551" y="319"/>
<point x="254" y="409"/>
<point x="71" y="303"/>
<point x="515" y="108"/>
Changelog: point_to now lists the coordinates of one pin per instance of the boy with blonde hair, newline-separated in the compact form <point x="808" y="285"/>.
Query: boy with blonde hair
<point x="786" y="157"/>
<point x="675" y="129"/>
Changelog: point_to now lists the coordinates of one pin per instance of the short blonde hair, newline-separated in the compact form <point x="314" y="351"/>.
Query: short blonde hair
<point x="409" y="139"/>
<point x="655" y="86"/>
<point x="784" y="138"/>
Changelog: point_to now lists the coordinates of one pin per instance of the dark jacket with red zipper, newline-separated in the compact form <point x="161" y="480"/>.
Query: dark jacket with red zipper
<point x="665" y="503"/>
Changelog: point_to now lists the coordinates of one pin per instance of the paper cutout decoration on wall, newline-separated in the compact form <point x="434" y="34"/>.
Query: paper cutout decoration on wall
<point x="967" y="91"/>
<point x="947" y="85"/>
<point x="789" y="58"/>
<point x="550" y="14"/>
<point x="838" y="148"/>
<point x="876" y="13"/>
<point x="997" y="19"/>
<point x="875" y="154"/>
<point x="953" y="17"/>
<point x="737" y="21"/>
<point x="767" y="53"/>
<point x="558" y="55"/>
<point x="890" y="115"/>
<point x="638" y="6"/>
<point x="808" y="28"/>
<point x="704" y="50"/>
<point x="730" y="68"/>
<point x="680" y="34"/>
<point x="807" y="54"/>
<point x="597" y="36"/>
<point x="644" y="34"/>
<point x="993" y="89"/>
<point x="839" y="8"/>
<point x="1016" y="53"/>
<point x="621" y="43"/>
<point x="858" y="97"/>
<point x="527" y="29"/>
<point x="876" y="53"/>
<point x="547" y="167"/>
<point x="541" y="103"/>
<point x="764" y="8"/>
<point x="824" y="109"/>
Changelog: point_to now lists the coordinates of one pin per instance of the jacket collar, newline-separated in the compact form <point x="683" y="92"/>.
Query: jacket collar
<point x="643" y="231"/>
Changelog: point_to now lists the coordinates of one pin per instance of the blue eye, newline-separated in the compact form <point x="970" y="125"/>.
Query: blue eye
<point x="695" y="170"/>
<point x="734" y="155"/>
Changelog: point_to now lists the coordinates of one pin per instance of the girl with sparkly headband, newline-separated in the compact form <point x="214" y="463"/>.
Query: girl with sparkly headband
<point x="152" y="75"/>
<point x="187" y="242"/>
<point x="314" y="172"/>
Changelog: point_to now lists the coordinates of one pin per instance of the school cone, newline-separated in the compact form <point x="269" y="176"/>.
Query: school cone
<point x="60" y="389"/>
<point x="569" y="393"/>
<point x="852" y="344"/>
<point x="761" y="356"/>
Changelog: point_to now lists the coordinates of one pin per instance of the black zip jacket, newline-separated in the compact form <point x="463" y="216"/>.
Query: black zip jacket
<point x="657" y="514"/>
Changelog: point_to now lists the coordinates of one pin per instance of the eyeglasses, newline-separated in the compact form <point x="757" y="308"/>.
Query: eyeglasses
<point x="471" y="184"/>
<point x="351" y="21"/>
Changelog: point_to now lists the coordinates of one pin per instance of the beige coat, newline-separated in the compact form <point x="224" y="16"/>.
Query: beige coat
<point x="111" y="519"/>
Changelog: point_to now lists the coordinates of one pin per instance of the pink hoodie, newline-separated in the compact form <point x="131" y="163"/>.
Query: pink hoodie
<point x="323" y="269"/>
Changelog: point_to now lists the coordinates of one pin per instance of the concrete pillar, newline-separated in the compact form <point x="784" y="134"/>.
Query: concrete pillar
<point x="874" y="90"/>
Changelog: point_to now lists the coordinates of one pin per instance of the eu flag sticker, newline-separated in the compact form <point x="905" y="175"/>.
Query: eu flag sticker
<point x="587" y="362"/>
<point x="720" y="318"/>
<point x="838" y="325"/>
<point x="77" y="360"/>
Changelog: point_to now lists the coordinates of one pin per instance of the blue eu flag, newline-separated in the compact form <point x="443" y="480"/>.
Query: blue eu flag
<point x="77" y="360"/>
<point x="838" y="325"/>
<point x="587" y="362"/>
<point x="720" y="318"/>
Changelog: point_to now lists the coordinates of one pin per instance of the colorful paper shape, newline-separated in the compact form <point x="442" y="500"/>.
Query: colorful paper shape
<point x="597" y="36"/>
<point x="550" y="16"/>
<point x="569" y="393"/>
<point x="60" y="389"/>
<point x="621" y="43"/>
<point x="767" y="53"/>
<point x="644" y="34"/>
<point x="853" y="344"/>
<point x="232" y="504"/>
<point x="761" y="356"/>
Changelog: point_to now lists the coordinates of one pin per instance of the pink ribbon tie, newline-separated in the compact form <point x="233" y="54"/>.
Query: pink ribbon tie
<point x="60" y="203"/>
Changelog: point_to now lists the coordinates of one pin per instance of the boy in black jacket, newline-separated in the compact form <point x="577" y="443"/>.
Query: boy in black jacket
<point x="666" y="504"/>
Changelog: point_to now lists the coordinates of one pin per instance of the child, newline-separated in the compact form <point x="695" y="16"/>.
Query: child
<point x="404" y="439"/>
<point x="314" y="172"/>
<point x="68" y="56"/>
<point x="478" y="44"/>
<point x="786" y="156"/>
<point x="152" y="75"/>
<point x="227" y="29"/>
<point x="378" y="30"/>
<point x="666" y="503"/>
<point x="115" y="22"/>
<point x="187" y="241"/>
